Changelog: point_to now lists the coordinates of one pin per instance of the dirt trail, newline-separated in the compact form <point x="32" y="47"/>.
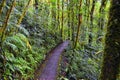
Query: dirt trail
<point x="49" y="71"/>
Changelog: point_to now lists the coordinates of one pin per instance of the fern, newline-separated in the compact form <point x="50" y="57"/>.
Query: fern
<point x="19" y="41"/>
<point x="23" y="31"/>
<point x="11" y="67"/>
<point x="13" y="46"/>
<point x="32" y="60"/>
<point x="23" y="38"/>
<point x="22" y="68"/>
<point x="9" y="57"/>
<point x="16" y="41"/>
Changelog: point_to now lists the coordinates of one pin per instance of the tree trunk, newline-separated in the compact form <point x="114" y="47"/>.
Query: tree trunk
<point x="62" y="21"/>
<point x="6" y="20"/>
<point x="73" y="21"/>
<point x="103" y="5"/>
<point x="23" y="13"/>
<point x="36" y="4"/>
<point x="58" y="14"/>
<point x="101" y="20"/>
<point x="111" y="61"/>
<point x="91" y="22"/>
<point x="88" y="9"/>
<point x="92" y="11"/>
<point x="69" y="18"/>
<point x="102" y="15"/>
<point x="53" y="13"/>
<point x="2" y="5"/>
<point x="79" y="24"/>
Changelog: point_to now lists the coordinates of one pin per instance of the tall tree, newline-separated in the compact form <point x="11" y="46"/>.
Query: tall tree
<point x="36" y="4"/>
<point x="58" y="14"/>
<point x="53" y="13"/>
<point x="79" y="23"/>
<point x="111" y="61"/>
<point x="23" y="13"/>
<point x="68" y="12"/>
<point x="103" y="4"/>
<point x="88" y="9"/>
<point x="72" y="20"/>
<point x="3" y="31"/>
<point x="62" y="21"/>
<point x="2" y="5"/>
<point x="101" y="19"/>
<point x="92" y="11"/>
<point x="91" y="21"/>
<point x="7" y="20"/>
<point x="102" y="14"/>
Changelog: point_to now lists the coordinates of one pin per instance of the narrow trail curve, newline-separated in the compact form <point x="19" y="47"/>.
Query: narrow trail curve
<point x="49" y="72"/>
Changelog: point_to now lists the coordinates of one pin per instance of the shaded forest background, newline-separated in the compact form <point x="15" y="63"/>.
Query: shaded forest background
<point x="30" y="28"/>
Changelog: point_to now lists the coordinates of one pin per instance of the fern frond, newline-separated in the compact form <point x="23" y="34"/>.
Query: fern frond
<point x="23" y="38"/>
<point x="16" y="41"/>
<point x="13" y="46"/>
<point x="23" y="31"/>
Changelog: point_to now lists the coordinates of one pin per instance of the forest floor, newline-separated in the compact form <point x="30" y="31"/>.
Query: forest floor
<point x="48" y="70"/>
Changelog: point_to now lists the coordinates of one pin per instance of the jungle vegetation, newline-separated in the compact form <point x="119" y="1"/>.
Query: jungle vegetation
<point x="29" y="29"/>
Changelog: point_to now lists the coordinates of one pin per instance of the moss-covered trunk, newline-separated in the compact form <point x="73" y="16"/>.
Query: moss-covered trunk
<point x="79" y="24"/>
<point x="2" y="5"/>
<point x="68" y="14"/>
<point x="111" y="62"/>
<point x="62" y="21"/>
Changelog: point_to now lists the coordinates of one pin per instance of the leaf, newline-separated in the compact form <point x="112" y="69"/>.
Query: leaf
<point x="17" y="41"/>
<point x="23" y="38"/>
<point x="10" y="66"/>
<point x="13" y="46"/>
<point x="23" y="30"/>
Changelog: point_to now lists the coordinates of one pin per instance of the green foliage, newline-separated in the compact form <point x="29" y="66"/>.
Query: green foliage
<point x="84" y="63"/>
<point x="21" y="60"/>
<point x="21" y="52"/>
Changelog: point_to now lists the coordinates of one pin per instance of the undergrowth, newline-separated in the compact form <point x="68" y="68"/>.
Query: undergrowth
<point x="24" y="46"/>
<point x="82" y="63"/>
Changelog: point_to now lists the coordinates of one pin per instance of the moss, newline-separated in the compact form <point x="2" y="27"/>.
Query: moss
<point x="111" y="60"/>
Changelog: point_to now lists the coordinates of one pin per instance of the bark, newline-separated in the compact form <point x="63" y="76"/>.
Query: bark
<point x="92" y="11"/>
<point x="36" y="4"/>
<point x="6" y="20"/>
<point x="102" y="10"/>
<point x="91" y="21"/>
<point x="4" y="31"/>
<point x="68" y="10"/>
<point x="79" y="24"/>
<point x="72" y="23"/>
<point x="53" y="13"/>
<point x="103" y="5"/>
<point x="62" y="21"/>
<point x="24" y="12"/>
<point x="88" y="9"/>
<point x="111" y="61"/>
<point x="2" y="5"/>
<point x="58" y="14"/>
<point x="101" y="21"/>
